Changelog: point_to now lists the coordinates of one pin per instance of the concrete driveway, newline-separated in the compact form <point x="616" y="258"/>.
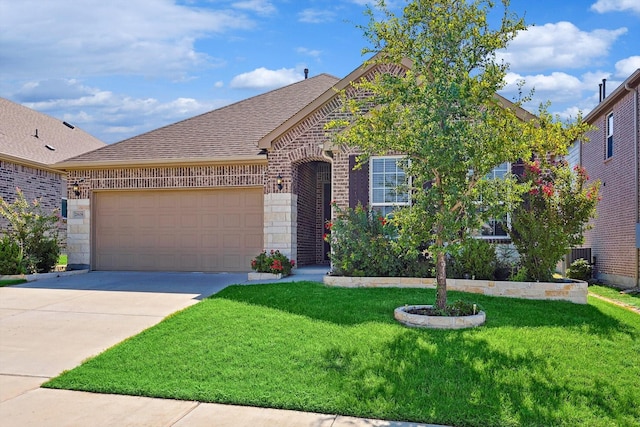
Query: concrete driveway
<point x="52" y="325"/>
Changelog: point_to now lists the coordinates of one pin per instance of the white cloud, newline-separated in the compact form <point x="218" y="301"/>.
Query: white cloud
<point x="64" y="38"/>
<point x="262" y="78"/>
<point x="104" y="114"/>
<point x="561" y="45"/>
<point x="316" y="16"/>
<point x="603" y="6"/>
<point x="557" y="87"/>
<point x="309" y="52"/>
<point x="626" y="67"/>
<point x="262" y="7"/>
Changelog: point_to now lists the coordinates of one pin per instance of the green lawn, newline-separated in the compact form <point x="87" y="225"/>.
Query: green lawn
<point x="10" y="282"/>
<point x="614" y="294"/>
<point x="308" y="347"/>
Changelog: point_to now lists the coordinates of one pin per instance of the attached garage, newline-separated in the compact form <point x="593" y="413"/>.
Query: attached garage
<point x="177" y="230"/>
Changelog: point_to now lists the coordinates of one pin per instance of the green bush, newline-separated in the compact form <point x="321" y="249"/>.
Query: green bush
<point x="580" y="269"/>
<point x="34" y="230"/>
<point x="366" y="244"/>
<point x="11" y="261"/>
<point x="273" y="262"/>
<point x="476" y="258"/>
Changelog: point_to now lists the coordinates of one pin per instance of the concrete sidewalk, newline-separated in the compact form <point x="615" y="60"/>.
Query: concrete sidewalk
<point x="52" y="325"/>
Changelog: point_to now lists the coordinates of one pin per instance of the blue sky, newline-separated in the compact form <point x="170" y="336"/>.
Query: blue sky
<point x="119" y="68"/>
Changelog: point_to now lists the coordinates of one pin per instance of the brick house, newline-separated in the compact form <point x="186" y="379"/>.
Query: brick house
<point x="611" y="156"/>
<point x="30" y="142"/>
<point x="210" y="192"/>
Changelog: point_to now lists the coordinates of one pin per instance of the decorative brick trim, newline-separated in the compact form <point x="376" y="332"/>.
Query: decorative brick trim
<point x="223" y="176"/>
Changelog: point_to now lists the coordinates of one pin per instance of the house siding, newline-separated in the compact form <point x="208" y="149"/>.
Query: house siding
<point x="613" y="235"/>
<point x="35" y="183"/>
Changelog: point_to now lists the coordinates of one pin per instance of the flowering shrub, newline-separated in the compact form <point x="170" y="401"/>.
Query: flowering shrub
<point x="367" y="244"/>
<point x="553" y="216"/>
<point x="273" y="262"/>
<point x="35" y="232"/>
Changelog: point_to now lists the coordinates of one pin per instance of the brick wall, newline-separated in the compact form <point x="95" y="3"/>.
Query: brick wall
<point x="35" y="184"/>
<point x="612" y="238"/>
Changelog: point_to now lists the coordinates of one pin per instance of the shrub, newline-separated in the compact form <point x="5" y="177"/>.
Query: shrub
<point x="475" y="258"/>
<point x="580" y="269"/>
<point x="367" y="244"/>
<point x="34" y="230"/>
<point x="274" y="262"/>
<point x="11" y="261"/>
<point x="553" y="216"/>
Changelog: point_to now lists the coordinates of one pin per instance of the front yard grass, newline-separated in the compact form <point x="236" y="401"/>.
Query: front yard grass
<point x="10" y="282"/>
<point x="614" y="294"/>
<point x="308" y="347"/>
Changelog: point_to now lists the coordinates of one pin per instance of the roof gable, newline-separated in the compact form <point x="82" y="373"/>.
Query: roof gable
<point x="333" y="92"/>
<point x="34" y="137"/>
<point x="230" y="132"/>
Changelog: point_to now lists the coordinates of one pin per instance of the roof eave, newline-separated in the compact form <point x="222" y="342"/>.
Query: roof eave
<point x="75" y="165"/>
<point x="29" y="163"/>
<point x="632" y="81"/>
<point x="266" y="141"/>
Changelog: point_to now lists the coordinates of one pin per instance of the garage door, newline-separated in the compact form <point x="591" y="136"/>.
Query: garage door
<point x="190" y="230"/>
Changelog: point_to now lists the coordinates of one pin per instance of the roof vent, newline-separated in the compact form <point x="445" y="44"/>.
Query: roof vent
<point x="306" y="73"/>
<point x="69" y="125"/>
<point x="49" y="147"/>
<point x="36" y="134"/>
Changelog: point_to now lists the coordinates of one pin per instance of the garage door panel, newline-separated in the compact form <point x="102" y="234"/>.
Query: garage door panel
<point x="190" y="230"/>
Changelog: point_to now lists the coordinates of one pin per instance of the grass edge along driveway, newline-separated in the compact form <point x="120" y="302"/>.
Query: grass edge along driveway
<point x="304" y="346"/>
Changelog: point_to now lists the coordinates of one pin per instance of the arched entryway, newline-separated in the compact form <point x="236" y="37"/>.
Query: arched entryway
<point x="313" y="181"/>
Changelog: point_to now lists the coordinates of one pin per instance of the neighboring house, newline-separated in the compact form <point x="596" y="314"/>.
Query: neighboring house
<point x="611" y="156"/>
<point x="30" y="142"/>
<point x="210" y="192"/>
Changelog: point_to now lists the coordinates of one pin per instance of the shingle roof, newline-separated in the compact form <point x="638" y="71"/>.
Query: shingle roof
<point x="19" y="125"/>
<point x="228" y="132"/>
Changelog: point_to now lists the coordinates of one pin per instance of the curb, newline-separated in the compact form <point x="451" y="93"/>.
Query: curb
<point x="38" y="276"/>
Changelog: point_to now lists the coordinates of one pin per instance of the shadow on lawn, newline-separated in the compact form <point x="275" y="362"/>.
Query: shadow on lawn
<point x="346" y="306"/>
<point x="453" y="377"/>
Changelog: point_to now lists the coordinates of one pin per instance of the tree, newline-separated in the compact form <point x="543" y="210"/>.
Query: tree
<point x="443" y="113"/>
<point x="553" y="215"/>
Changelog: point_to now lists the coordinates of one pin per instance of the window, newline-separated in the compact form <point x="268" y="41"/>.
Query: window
<point x="389" y="186"/>
<point x="496" y="228"/>
<point x="609" y="142"/>
<point x="63" y="208"/>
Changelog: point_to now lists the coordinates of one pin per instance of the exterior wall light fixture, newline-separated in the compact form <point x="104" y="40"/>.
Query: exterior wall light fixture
<point x="279" y="182"/>
<point x="76" y="188"/>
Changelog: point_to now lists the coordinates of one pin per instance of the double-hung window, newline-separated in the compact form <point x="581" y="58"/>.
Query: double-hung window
<point x="609" y="140"/>
<point x="389" y="184"/>
<point x="496" y="228"/>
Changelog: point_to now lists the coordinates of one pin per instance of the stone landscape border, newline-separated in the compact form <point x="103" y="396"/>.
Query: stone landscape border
<point x="574" y="291"/>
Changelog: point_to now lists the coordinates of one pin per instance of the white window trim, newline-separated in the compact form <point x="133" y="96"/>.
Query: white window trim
<point x="609" y="129"/>
<point x="373" y="205"/>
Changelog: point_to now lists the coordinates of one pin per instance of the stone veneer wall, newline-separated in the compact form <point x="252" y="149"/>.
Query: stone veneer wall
<point x="575" y="292"/>
<point x="78" y="234"/>
<point x="280" y="223"/>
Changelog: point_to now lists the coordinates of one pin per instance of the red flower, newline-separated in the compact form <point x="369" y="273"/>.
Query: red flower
<point x="534" y="191"/>
<point x="324" y="236"/>
<point x="382" y="220"/>
<point x="534" y="167"/>
<point x="329" y="225"/>
<point x="276" y="265"/>
<point x="547" y="189"/>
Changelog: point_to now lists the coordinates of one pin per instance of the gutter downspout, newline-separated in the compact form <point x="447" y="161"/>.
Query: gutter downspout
<point x="636" y="172"/>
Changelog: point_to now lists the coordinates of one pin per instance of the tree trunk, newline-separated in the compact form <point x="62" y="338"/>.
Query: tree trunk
<point x="441" y="281"/>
